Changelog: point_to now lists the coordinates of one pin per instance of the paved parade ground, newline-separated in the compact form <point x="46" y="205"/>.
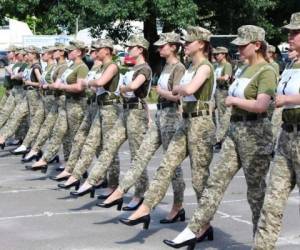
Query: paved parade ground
<point x="35" y="215"/>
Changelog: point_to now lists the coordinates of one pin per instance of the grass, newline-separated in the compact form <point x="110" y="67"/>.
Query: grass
<point x="2" y="91"/>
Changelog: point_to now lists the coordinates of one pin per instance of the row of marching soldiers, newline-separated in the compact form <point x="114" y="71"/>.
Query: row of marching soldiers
<point x="93" y="112"/>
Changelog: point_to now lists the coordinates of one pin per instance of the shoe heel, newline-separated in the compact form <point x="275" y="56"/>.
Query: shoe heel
<point x="191" y="246"/>
<point x="77" y="186"/>
<point x="57" y="159"/>
<point x="92" y="193"/>
<point x="44" y="170"/>
<point x="182" y="217"/>
<point x="85" y="175"/>
<point x="146" y="224"/>
<point x="210" y="235"/>
<point x="120" y="204"/>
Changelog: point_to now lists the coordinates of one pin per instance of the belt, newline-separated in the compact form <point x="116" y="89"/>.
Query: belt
<point x="108" y="102"/>
<point x="48" y="92"/>
<point x="195" y="114"/>
<point x="75" y="97"/>
<point x="289" y="127"/>
<point x="27" y="87"/>
<point x="132" y="105"/>
<point x="222" y="87"/>
<point x="163" y="105"/>
<point x="91" y="99"/>
<point x="250" y="117"/>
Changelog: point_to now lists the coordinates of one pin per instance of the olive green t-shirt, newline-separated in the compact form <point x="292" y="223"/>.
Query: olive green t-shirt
<point x="142" y="69"/>
<point x="226" y="70"/>
<point x="292" y="115"/>
<point x="175" y="71"/>
<point x="79" y="70"/>
<point x="58" y="70"/>
<point x="263" y="83"/>
<point x="275" y="65"/>
<point x="48" y="73"/>
<point x="204" y="93"/>
<point x="17" y="68"/>
<point x="112" y="85"/>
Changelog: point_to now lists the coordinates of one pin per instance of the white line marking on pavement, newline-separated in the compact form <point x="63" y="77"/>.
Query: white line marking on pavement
<point x="234" y="217"/>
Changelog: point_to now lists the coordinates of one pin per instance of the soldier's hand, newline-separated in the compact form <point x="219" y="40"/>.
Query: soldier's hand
<point x="280" y="100"/>
<point x="230" y="101"/>
<point x="175" y="90"/>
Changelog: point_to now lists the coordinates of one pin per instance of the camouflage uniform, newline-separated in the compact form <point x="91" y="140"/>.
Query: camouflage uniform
<point x="248" y="142"/>
<point x="162" y="131"/>
<point x="131" y="124"/>
<point x="285" y="172"/>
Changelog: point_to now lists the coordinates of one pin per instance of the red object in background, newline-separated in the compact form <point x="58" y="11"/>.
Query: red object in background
<point x="129" y="60"/>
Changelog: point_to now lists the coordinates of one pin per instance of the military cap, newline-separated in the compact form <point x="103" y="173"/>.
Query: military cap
<point x="294" y="22"/>
<point x="12" y="48"/>
<point x="102" y="43"/>
<point x="137" y="40"/>
<point x="220" y="50"/>
<point x="195" y="33"/>
<point x="33" y="49"/>
<point x="59" y="46"/>
<point x="248" y="34"/>
<point x="165" y="38"/>
<point x="75" y="44"/>
<point x="21" y="51"/>
<point x="271" y="48"/>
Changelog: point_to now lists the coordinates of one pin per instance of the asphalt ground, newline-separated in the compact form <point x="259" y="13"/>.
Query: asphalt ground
<point x="35" y="215"/>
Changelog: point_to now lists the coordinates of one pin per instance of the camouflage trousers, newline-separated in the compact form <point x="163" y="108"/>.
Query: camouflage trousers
<point x="4" y="99"/>
<point x="81" y="136"/>
<point x="284" y="175"/>
<point x="98" y="135"/>
<point x="67" y="123"/>
<point x="192" y="138"/>
<point x="14" y="98"/>
<point x="160" y="133"/>
<point x="130" y="125"/>
<point x="224" y="114"/>
<point x="28" y="106"/>
<point x="47" y="127"/>
<point x="276" y="123"/>
<point x="248" y="145"/>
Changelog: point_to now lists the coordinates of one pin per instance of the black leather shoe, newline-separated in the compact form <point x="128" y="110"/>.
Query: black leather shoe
<point x="85" y="175"/>
<point x="2" y="145"/>
<point x="90" y="191"/>
<point x="118" y="202"/>
<point x="75" y="184"/>
<point x="189" y="243"/>
<point x="209" y="234"/>
<point x="144" y="219"/>
<point x="55" y="159"/>
<point x="60" y="169"/>
<point x="104" y="196"/>
<point x="43" y="168"/>
<point x="180" y="215"/>
<point x="33" y="157"/>
<point x="55" y="178"/>
<point x="103" y="184"/>
<point x="127" y="208"/>
<point x="26" y="151"/>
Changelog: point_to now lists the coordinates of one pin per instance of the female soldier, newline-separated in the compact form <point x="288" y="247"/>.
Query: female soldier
<point x="131" y="124"/>
<point x="107" y="114"/>
<point x="285" y="173"/>
<point x="193" y="135"/>
<point x="59" y="55"/>
<point x="32" y="105"/>
<point x="75" y="104"/>
<point x="167" y="118"/>
<point x="248" y="141"/>
<point x="223" y="73"/>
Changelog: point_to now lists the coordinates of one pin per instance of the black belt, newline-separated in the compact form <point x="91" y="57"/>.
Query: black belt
<point x="222" y="87"/>
<point x="163" y="105"/>
<point x="289" y="127"/>
<point x="132" y="105"/>
<point x="250" y="117"/>
<point x="48" y="92"/>
<point x="195" y="114"/>
<point x="91" y="99"/>
<point x="27" y="87"/>
<point x="75" y="97"/>
<point x="107" y="102"/>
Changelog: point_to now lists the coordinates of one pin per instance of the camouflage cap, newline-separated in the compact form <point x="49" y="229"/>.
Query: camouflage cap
<point x="194" y="33"/>
<point x="271" y="48"/>
<point x="165" y="38"/>
<point x="33" y="49"/>
<point x="48" y="49"/>
<point x="75" y="44"/>
<point x="137" y="40"/>
<point x="248" y="34"/>
<point x="294" y="22"/>
<point x="21" y="51"/>
<point x="12" y="48"/>
<point x="102" y="43"/>
<point x="59" y="46"/>
<point x="220" y="50"/>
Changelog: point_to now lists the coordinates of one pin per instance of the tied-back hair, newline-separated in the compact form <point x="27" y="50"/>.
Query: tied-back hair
<point x="263" y="50"/>
<point x="207" y="51"/>
<point x="145" y="53"/>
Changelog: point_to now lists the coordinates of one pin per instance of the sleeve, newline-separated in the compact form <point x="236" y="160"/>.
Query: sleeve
<point x="60" y="71"/>
<point x="177" y="74"/>
<point x="82" y="71"/>
<point x="146" y="71"/>
<point x="228" y="69"/>
<point x="267" y="82"/>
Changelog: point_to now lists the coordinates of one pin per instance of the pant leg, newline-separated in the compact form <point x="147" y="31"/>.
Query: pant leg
<point x="116" y="137"/>
<point x="221" y="174"/>
<point x="174" y="156"/>
<point x="7" y="109"/>
<point x="168" y="122"/>
<point x="149" y="146"/>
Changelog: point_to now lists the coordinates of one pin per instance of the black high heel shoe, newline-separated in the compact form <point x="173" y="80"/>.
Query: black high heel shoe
<point x="209" y="234"/>
<point x="2" y="145"/>
<point x="55" y="159"/>
<point x="127" y="208"/>
<point x="90" y="191"/>
<point x="55" y="178"/>
<point x="33" y="157"/>
<point x="118" y="202"/>
<point x="180" y="215"/>
<point x="75" y="184"/>
<point x="43" y="168"/>
<point x="23" y="152"/>
<point x="144" y="219"/>
<point x="189" y="243"/>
